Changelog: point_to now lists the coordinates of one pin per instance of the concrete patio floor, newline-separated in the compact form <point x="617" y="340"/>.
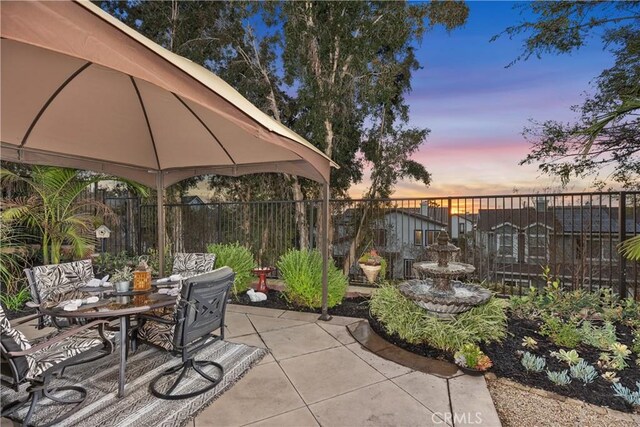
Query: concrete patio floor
<point x="316" y="374"/>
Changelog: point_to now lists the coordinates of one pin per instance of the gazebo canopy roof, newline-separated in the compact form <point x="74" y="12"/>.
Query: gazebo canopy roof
<point x="81" y="89"/>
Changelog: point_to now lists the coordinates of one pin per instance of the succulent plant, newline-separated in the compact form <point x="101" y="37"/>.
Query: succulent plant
<point x="584" y="372"/>
<point x="533" y="363"/>
<point x="631" y="397"/>
<point x="570" y="357"/>
<point x="620" y="350"/>
<point x="125" y="274"/>
<point x="470" y="356"/>
<point x="530" y="343"/>
<point x="610" y="376"/>
<point x="560" y="378"/>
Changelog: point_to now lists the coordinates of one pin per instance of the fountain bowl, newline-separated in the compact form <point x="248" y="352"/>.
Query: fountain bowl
<point x="427" y="269"/>
<point x="444" y="305"/>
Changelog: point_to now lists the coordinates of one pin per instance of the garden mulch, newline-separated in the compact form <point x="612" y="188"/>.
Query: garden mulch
<point x="506" y="363"/>
<point x="350" y="307"/>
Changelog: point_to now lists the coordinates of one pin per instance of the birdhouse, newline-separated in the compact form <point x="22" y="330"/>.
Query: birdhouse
<point x="103" y="232"/>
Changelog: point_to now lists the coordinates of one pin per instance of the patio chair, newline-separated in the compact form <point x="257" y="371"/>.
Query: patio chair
<point x="199" y="312"/>
<point x="35" y="362"/>
<point x="57" y="282"/>
<point x="191" y="264"/>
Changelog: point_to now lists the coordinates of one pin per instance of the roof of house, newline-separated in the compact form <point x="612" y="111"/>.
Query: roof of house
<point x="489" y="219"/>
<point x="348" y="215"/>
<point x="191" y="200"/>
<point x="567" y="219"/>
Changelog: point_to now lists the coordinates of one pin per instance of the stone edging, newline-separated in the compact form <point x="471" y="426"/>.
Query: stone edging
<point x="361" y="331"/>
<point x="601" y="410"/>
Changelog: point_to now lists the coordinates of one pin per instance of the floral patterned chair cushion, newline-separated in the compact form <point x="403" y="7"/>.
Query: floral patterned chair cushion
<point x="55" y="280"/>
<point x="191" y="264"/>
<point x="159" y="334"/>
<point x="33" y="365"/>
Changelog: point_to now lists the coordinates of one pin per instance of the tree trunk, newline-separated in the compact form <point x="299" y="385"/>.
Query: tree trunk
<point x="355" y="243"/>
<point x="300" y="213"/>
<point x="265" y="238"/>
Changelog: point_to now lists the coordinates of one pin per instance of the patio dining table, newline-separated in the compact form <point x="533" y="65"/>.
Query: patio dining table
<point x="120" y="306"/>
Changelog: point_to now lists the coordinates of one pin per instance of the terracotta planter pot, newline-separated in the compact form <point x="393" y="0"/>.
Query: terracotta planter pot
<point x="371" y="271"/>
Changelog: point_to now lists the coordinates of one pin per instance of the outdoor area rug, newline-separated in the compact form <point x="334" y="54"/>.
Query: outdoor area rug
<point x="139" y="407"/>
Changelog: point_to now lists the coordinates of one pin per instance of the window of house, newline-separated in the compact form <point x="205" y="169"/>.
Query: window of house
<point x="462" y="228"/>
<point x="417" y="237"/>
<point x="537" y="245"/>
<point x="430" y="237"/>
<point x="505" y="244"/>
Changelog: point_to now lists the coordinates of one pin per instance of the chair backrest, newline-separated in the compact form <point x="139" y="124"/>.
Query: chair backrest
<point x="55" y="280"/>
<point x="14" y="369"/>
<point x="191" y="264"/>
<point x="200" y="308"/>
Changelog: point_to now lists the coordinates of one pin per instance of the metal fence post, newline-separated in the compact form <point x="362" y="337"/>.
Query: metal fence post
<point x="219" y="240"/>
<point x="449" y="214"/>
<point x="622" y="235"/>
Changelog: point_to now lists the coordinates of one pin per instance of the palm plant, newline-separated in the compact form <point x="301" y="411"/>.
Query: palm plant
<point x="630" y="248"/>
<point x="13" y="254"/>
<point x="56" y="209"/>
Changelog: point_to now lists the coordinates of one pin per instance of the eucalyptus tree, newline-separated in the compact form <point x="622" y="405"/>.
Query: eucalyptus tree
<point x="329" y="70"/>
<point x="607" y="130"/>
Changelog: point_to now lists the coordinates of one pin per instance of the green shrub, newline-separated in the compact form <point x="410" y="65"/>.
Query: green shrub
<point x="302" y="274"/>
<point x="564" y="334"/>
<point x="636" y="342"/>
<point x="239" y="259"/>
<point x="402" y="316"/>
<point x="600" y="337"/>
<point x="553" y="300"/>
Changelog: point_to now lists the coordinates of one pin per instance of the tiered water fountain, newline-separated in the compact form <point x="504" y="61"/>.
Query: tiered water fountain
<point x="436" y="290"/>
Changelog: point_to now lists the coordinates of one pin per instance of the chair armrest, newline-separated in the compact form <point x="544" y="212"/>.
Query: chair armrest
<point x="156" y="319"/>
<point x="58" y="338"/>
<point x="22" y="320"/>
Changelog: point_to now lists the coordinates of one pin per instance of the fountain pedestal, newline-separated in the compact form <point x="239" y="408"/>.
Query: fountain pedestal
<point x="436" y="290"/>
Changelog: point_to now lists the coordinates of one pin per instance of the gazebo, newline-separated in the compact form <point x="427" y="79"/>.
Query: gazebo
<point x="81" y="89"/>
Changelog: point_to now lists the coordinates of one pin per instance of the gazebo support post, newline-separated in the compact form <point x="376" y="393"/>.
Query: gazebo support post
<point x="325" y="252"/>
<point x="161" y="221"/>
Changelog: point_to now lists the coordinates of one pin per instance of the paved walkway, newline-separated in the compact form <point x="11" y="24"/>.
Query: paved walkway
<point x="317" y="374"/>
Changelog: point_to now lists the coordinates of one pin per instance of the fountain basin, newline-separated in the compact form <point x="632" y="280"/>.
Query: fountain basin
<point x="452" y="269"/>
<point x="460" y="298"/>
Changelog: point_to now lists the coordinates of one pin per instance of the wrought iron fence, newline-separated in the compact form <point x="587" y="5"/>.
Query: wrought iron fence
<point x="508" y="238"/>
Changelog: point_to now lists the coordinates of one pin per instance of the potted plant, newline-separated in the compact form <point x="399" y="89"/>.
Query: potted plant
<point x="371" y="264"/>
<point x="471" y="360"/>
<point x="122" y="278"/>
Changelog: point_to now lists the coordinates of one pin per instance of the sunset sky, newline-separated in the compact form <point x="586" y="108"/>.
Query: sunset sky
<point x="476" y="108"/>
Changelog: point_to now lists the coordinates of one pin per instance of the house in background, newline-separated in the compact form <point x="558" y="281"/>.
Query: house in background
<point x="461" y="224"/>
<point x="191" y="201"/>
<point x="578" y="243"/>
<point x="398" y="234"/>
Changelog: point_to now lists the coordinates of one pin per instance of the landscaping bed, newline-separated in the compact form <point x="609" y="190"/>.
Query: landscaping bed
<point x="349" y="307"/>
<point x="506" y="363"/>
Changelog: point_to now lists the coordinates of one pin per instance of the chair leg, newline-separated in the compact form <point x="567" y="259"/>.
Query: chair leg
<point x="37" y="392"/>
<point x="183" y="369"/>
<point x="35" y="396"/>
